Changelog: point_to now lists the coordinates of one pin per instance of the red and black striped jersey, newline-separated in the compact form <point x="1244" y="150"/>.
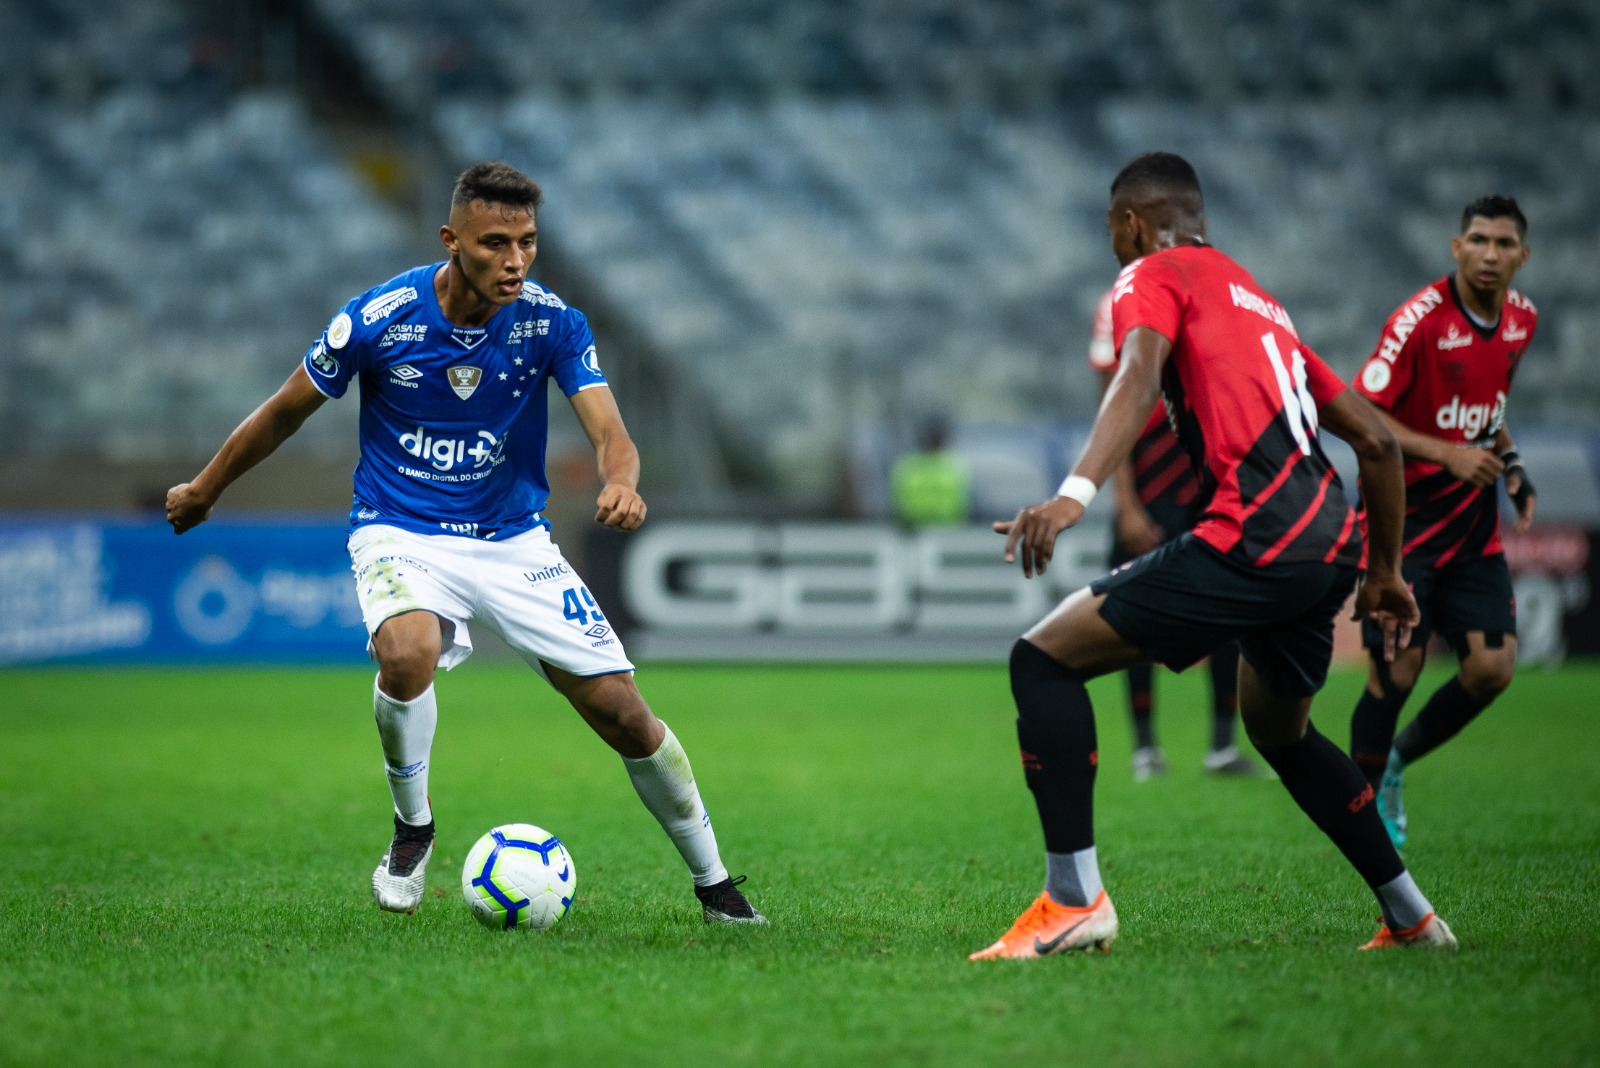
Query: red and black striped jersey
<point x="1440" y="373"/>
<point x="1163" y="475"/>
<point x="1243" y="393"/>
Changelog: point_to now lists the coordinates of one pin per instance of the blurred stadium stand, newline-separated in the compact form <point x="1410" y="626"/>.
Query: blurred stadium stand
<point x="804" y="225"/>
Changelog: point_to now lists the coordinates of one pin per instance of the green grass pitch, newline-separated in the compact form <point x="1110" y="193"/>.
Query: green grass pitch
<point x="185" y="855"/>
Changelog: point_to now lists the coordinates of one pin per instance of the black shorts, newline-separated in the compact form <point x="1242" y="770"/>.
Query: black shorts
<point x="1182" y="601"/>
<point x="1464" y="596"/>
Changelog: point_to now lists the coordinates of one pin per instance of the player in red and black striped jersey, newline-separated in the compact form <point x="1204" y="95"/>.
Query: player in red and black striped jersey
<point x="1270" y="563"/>
<point x="1157" y="497"/>
<point x="1441" y="374"/>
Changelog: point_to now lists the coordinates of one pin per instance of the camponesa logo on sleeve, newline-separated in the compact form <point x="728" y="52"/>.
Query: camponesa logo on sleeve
<point x="385" y="304"/>
<point x="444" y="453"/>
<point x="536" y="294"/>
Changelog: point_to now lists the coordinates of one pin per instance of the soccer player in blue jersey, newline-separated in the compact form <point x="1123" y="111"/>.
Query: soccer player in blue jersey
<point x="454" y="360"/>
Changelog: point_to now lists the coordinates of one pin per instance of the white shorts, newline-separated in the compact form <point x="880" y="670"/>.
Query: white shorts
<point x="522" y="589"/>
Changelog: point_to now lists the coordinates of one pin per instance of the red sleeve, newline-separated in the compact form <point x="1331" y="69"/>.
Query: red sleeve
<point x="1147" y="294"/>
<point x="1388" y="372"/>
<point x="1321" y="380"/>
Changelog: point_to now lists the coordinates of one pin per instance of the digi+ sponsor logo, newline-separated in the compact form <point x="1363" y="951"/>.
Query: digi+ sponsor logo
<point x="444" y="453"/>
<point x="1473" y="420"/>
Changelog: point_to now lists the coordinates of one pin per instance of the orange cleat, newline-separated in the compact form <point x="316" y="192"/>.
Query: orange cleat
<point x="1047" y="928"/>
<point x="1431" y="933"/>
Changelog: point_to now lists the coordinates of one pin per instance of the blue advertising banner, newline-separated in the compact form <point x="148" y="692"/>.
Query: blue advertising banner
<point x="124" y="591"/>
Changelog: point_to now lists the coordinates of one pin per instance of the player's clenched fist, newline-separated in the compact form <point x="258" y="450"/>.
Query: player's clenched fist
<point x="186" y="509"/>
<point x="620" y="507"/>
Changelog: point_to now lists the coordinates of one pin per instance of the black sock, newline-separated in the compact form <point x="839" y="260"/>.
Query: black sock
<point x="1141" y="704"/>
<point x="1330" y="789"/>
<point x="1441" y="719"/>
<point x="1372" y="724"/>
<point x="1224" y="695"/>
<point x="1055" y="726"/>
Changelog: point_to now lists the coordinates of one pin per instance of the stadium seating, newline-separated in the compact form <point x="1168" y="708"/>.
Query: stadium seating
<point x="820" y="217"/>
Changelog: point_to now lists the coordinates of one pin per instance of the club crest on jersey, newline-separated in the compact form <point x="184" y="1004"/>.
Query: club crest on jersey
<point x="464" y="380"/>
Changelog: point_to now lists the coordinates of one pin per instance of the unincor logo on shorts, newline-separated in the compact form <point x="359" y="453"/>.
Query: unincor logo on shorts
<point x="546" y="574"/>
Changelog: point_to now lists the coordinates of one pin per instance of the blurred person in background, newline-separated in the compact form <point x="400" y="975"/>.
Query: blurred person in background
<point x="1156" y="497"/>
<point x="931" y="486"/>
<point x="454" y="360"/>
<point x="1440" y="375"/>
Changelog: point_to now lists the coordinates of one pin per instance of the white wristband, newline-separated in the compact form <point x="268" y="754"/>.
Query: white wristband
<point x="1079" y="489"/>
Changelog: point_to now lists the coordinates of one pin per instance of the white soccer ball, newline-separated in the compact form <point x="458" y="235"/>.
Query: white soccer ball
<point x="518" y="875"/>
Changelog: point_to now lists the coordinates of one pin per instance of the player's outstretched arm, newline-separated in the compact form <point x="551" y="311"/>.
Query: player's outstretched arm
<point x="189" y="504"/>
<point x="1383" y="597"/>
<point x="619" y="504"/>
<point x="1123" y="412"/>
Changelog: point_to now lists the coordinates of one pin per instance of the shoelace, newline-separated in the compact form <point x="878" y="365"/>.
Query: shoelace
<point x="729" y="900"/>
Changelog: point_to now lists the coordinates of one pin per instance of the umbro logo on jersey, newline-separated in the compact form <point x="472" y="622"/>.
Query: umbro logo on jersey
<point x="464" y="380"/>
<point x="468" y="339"/>
<point x="405" y="375"/>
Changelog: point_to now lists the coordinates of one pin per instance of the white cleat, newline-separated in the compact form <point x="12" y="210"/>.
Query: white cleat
<point x="401" y="875"/>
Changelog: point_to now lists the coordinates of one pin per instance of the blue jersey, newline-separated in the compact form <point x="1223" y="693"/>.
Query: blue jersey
<point x="454" y="420"/>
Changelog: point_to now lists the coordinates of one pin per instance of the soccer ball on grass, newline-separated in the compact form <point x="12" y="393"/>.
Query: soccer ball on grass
<point x="518" y="875"/>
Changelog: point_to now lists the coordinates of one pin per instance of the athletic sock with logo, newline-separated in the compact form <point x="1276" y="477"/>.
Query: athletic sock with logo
<point x="1224" y="696"/>
<point x="1372" y="724"/>
<point x="1141" y="705"/>
<point x="1441" y="719"/>
<point x="665" y="783"/>
<point x="1330" y="789"/>
<point x="1055" y="727"/>
<point x="406" y="730"/>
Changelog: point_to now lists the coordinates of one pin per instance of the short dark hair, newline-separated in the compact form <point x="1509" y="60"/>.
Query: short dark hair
<point x="1495" y="206"/>
<point x="496" y="183"/>
<point x="1162" y="173"/>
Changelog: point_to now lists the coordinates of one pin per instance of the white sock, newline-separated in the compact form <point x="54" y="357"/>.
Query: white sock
<point x="1401" y="903"/>
<point x="406" y="730"/>
<point x="665" y="783"/>
<point x="1073" y="878"/>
